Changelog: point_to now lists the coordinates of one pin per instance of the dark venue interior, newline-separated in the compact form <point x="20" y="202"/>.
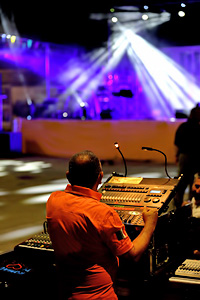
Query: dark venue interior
<point x="87" y="75"/>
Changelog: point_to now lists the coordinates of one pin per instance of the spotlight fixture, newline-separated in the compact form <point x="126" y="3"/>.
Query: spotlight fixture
<point x="29" y="43"/>
<point x="181" y="13"/>
<point x="13" y="39"/>
<point x="65" y="114"/>
<point x="145" y="17"/>
<point x="82" y="104"/>
<point x="114" y="19"/>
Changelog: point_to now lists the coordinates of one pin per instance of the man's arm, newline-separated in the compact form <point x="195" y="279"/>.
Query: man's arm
<point x="141" y="242"/>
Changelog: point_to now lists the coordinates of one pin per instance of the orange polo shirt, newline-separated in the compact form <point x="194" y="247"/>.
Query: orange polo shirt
<point x="87" y="237"/>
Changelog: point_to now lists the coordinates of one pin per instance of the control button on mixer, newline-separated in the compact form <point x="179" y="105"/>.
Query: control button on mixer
<point x="155" y="200"/>
<point x="147" y="200"/>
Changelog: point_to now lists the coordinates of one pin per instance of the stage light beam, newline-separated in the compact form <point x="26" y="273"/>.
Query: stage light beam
<point x="167" y="84"/>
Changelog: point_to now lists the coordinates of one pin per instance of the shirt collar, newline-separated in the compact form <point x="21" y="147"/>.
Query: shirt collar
<point x="83" y="191"/>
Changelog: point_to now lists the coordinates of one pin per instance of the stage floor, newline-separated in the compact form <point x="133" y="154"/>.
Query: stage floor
<point x="27" y="181"/>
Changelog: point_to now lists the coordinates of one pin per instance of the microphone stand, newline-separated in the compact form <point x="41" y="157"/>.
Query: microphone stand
<point x="153" y="149"/>
<point x="117" y="147"/>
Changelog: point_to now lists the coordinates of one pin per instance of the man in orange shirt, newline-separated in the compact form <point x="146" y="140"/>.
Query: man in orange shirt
<point x="88" y="236"/>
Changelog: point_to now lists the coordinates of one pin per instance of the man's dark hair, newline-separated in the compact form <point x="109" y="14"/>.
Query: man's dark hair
<point x="84" y="169"/>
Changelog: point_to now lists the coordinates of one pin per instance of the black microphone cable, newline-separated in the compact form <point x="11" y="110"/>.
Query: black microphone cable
<point x="153" y="149"/>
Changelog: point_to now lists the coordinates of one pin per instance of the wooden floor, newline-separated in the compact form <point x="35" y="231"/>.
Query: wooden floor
<point x="27" y="181"/>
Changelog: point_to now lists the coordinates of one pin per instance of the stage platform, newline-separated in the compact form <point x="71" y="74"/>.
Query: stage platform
<point x="62" y="138"/>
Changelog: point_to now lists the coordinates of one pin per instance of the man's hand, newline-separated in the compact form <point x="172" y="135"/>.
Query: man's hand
<point x="141" y="242"/>
<point x="150" y="216"/>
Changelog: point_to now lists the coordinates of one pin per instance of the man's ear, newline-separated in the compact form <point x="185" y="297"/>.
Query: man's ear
<point x="68" y="176"/>
<point x="100" y="177"/>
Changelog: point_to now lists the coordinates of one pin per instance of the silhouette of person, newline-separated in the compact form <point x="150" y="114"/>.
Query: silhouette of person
<point x="187" y="145"/>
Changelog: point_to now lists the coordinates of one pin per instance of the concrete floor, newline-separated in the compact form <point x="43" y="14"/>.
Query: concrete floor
<point x="26" y="183"/>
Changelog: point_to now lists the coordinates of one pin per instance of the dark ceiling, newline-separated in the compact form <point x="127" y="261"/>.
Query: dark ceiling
<point x="61" y="22"/>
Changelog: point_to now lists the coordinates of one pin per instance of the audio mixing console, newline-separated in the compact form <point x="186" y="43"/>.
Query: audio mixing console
<point x="40" y="241"/>
<point x="129" y="195"/>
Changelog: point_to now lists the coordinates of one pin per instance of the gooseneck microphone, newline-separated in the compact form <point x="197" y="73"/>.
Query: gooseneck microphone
<point x="117" y="147"/>
<point x="153" y="149"/>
